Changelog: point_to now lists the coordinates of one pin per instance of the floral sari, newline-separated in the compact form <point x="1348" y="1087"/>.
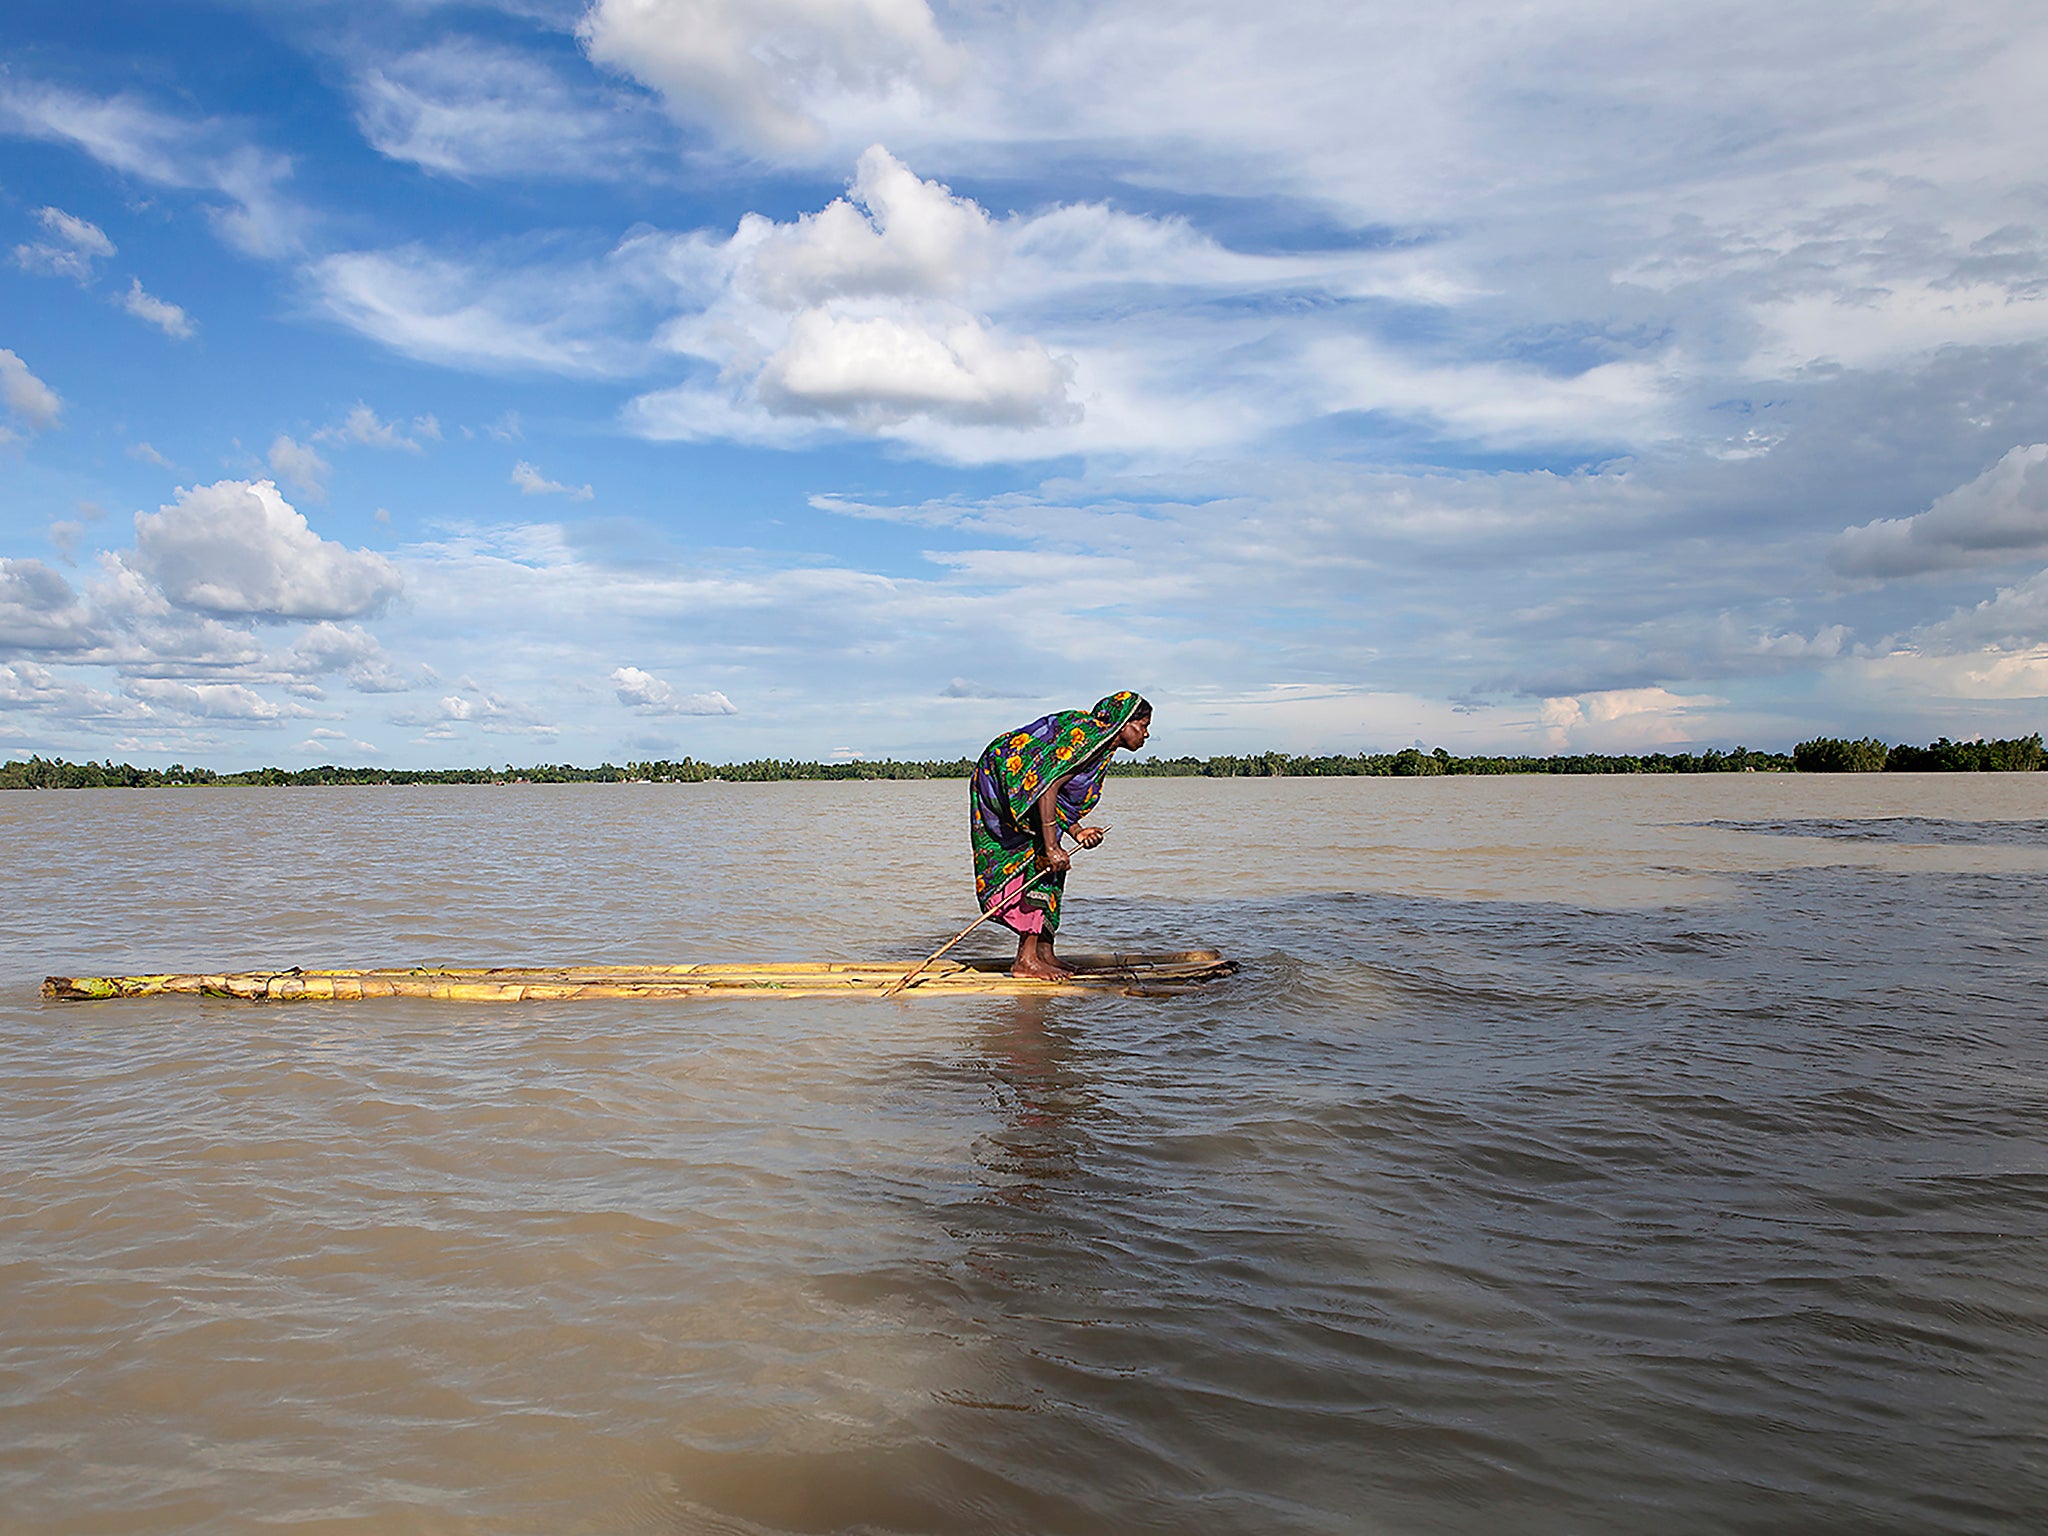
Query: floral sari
<point x="1074" y="744"/>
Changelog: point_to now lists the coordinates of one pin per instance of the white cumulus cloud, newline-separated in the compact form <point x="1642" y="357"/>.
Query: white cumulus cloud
<point x="227" y="703"/>
<point x="2000" y="516"/>
<point x="1621" y="719"/>
<point x="651" y="695"/>
<point x="893" y="234"/>
<point x="882" y="369"/>
<point x="239" y="548"/>
<point x="857" y="314"/>
<point x="35" y="690"/>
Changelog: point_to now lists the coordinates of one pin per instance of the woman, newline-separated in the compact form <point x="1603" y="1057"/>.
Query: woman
<point x="1032" y="785"/>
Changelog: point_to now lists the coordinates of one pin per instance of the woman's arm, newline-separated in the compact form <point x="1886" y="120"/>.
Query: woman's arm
<point x="1045" y="826"/>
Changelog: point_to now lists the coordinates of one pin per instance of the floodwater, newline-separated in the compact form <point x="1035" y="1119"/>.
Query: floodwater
<point x="1571" y="1155"/>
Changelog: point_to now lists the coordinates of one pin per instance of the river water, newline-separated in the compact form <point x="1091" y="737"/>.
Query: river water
<point x="1578" y="1155"/>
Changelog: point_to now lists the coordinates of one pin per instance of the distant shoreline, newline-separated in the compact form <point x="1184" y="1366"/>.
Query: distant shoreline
<point x="1819" y="755"/>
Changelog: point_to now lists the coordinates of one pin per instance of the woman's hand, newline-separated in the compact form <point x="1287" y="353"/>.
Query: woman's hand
<point x="1055" y="861"/>
<point x="1088" y="837"/>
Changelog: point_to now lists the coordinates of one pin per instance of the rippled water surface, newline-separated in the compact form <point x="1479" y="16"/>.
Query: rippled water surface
<point x="1598" y="1155"/>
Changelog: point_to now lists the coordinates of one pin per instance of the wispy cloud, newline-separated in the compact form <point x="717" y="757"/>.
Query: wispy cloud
<point x="165" y="316"/>
<point x="464" y="108"/>
<point x="477" y="707"/>
<point x="466" y="313"/>
<point x="532" y="482"/>
<point x="28" y="399"/>
<point x="74" y="246"/>
<point x="204" y="155"/>
<point x="300" y="466"/>
<point x="363" y="426"/>
<point x="770" y="73"/>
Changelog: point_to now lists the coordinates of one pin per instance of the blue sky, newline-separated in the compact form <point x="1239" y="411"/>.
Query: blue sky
<point x="418" y="383"/>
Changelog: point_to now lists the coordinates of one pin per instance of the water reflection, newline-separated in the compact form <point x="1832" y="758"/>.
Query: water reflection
<point x="1038" y="1071"/>
<point x="942" y="1417"/>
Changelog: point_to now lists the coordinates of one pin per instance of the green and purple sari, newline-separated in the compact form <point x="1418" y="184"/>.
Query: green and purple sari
<point x="1072" y="744"/>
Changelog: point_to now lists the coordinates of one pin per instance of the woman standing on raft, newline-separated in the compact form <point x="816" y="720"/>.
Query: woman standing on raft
<point x="1032" y="785"/>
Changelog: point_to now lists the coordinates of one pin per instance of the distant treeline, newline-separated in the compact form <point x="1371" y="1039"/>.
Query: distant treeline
<point x="1413" y="762"/>
<point x="1823" y="754"/>
<point x="56" y="773"/>
<point x="1832" y="754"/>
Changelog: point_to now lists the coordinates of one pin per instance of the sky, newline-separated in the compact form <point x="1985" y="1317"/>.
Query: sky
<point x="420" y="384"/>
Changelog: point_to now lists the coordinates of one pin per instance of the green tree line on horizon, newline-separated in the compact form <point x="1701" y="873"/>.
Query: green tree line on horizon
<point x="1821" y="754"/>
<point x="1834" y="754"/>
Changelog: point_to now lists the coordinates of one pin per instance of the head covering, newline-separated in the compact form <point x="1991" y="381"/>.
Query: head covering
<point x="1069" y="744"/>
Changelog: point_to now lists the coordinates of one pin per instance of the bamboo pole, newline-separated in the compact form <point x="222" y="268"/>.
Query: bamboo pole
<point x="912" y="974"/>
<point x="1092" y="973"/>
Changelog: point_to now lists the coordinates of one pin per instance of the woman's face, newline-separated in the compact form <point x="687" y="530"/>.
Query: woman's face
<point x="1133" y="735"/>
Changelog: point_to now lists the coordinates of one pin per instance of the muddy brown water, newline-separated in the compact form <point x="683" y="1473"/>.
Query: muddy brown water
<point x="1595" y="1155"/>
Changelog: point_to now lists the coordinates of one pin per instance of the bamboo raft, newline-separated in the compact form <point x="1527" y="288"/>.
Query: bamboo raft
<point x="1141" y="975"/>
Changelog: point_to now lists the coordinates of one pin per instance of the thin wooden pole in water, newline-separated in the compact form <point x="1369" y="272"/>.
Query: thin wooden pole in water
<point x="915" y="970"/>
<point x="912" y="974"/>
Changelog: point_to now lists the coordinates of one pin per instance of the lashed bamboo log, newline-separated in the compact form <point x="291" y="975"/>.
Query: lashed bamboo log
<point x="1092" y="973"/>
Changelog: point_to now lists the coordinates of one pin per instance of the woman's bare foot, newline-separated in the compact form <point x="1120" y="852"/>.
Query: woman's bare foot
<point x="1036" y="961"/>
<point x="1045" y="953"/>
